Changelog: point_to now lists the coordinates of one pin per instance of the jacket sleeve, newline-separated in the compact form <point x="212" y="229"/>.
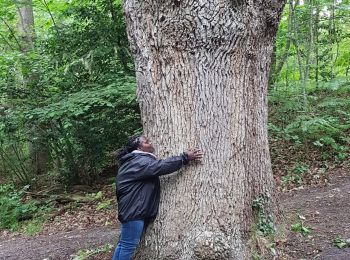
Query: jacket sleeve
<point x="154" y="168"/>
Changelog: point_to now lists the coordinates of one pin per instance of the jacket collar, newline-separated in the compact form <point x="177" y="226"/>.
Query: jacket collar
<point x="138" y="151"/>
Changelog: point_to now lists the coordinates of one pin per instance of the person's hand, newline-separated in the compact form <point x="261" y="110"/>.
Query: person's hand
<point x="194" y="155"/>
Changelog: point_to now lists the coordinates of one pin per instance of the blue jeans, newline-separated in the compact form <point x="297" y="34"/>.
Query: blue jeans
<point x="130" y="236"/>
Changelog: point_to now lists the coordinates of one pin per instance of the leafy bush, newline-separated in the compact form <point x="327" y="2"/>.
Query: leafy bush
<point x="12" y="208"/>
<point x="323" y="125"/>
<point x="296" y="174"/>
<point x="33" y="227"/>
<point x="81" y="103"/>
<point x="85" y="126"/>
<point x="326" y="131"/>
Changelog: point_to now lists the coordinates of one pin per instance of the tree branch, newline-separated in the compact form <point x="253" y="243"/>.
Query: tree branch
<point x="53" y="20"/>
<point x="285" y="53"/>
<point x="7" y="43"/>
<point x="12" y="33"/>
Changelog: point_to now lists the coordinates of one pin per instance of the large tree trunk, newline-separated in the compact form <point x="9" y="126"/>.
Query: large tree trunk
<point x="202" y="72"/>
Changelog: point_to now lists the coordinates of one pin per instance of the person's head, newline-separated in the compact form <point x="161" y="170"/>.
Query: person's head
<point x="145" y="145"/>
<point x="138" y="142"/>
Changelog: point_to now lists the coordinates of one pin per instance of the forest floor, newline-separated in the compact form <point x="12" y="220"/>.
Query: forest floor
<point x="323" y="210"/>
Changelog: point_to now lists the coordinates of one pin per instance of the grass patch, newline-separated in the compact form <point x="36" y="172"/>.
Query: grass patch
<point x="33" y="227"/>
<point x="86" y="253"/>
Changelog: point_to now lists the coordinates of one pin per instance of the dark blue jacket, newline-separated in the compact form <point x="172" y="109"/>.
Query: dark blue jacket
<point x="138" y="186"/>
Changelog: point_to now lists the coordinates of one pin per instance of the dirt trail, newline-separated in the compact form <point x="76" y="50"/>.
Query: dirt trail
<point x="56" y="246"/>
<point x="326" y="209"/>
<point x="327" y="213"/>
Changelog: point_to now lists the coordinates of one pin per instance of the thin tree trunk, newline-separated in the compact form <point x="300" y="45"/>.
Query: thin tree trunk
<point x="120" y="49"/>
<point x="336" y="38"/>
<point x="38" y="152"/>
<point x="26" y="25"/>
<point x="287" y="76"/>
<point x="303" y="75"/>
<point x="302" y="65"/>
<point x="309" y="45"/>
<point x="317" y="21"/>
<point x="272" y="75"/>
<point x="51" y="16"/>
<point x="333" y="35"/>
<point x="347" y="69"/>
<point x="275" y="71"/>
<point x="202" y="73"/>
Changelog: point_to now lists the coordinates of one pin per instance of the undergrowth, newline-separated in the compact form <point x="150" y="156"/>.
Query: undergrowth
<point x="262" y="238"/>
<point x="308" y="134"/>
<point x="18" y="212"/>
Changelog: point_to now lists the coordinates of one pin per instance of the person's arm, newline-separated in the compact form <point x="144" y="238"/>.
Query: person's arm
<point x="155" y="167"/>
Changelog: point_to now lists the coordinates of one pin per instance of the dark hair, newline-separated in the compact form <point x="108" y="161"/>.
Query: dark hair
<point x="132" y="145"/>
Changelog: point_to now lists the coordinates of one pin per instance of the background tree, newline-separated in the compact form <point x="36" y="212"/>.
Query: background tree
<point x="308" y="99"/>
<point x="38" y="152"/>
<point x="80" y="104"/>
<point x="202" y="72"/>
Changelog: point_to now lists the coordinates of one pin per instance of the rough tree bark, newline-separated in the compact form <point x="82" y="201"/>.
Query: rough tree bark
<point x="202" y="72"/>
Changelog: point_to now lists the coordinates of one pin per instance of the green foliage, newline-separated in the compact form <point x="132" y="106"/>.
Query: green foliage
<point x="309" y="97"/>
<point x="262" y="220"/>
<point x="340" y="243"/>
<point x="86" y="126"/>
<point x="105" y="204"/>
<point x="296" y="174"/>
<point x="96" y="196"/>
<point x="80" y="102"/>
<point x="85" y="254"/>
<point x="73" y="98"/>
<point x="323" y="126"/>
<point x="14" y="159"/>
<point x="256" y="256"/>
<point x="300" y="227"/>
<point x="315" y="128"/>
<point x="20" y="212"/>
<point x="13" y="209"/>
<point x="33" y="227"/>
<point x="312" y="42"/>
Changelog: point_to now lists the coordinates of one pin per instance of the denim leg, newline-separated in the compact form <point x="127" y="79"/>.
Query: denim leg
<point x="116" y="252"/>
<point x="129" y="239"/>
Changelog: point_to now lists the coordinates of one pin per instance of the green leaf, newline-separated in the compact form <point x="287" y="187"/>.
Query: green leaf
<point x="340" y="243"/>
